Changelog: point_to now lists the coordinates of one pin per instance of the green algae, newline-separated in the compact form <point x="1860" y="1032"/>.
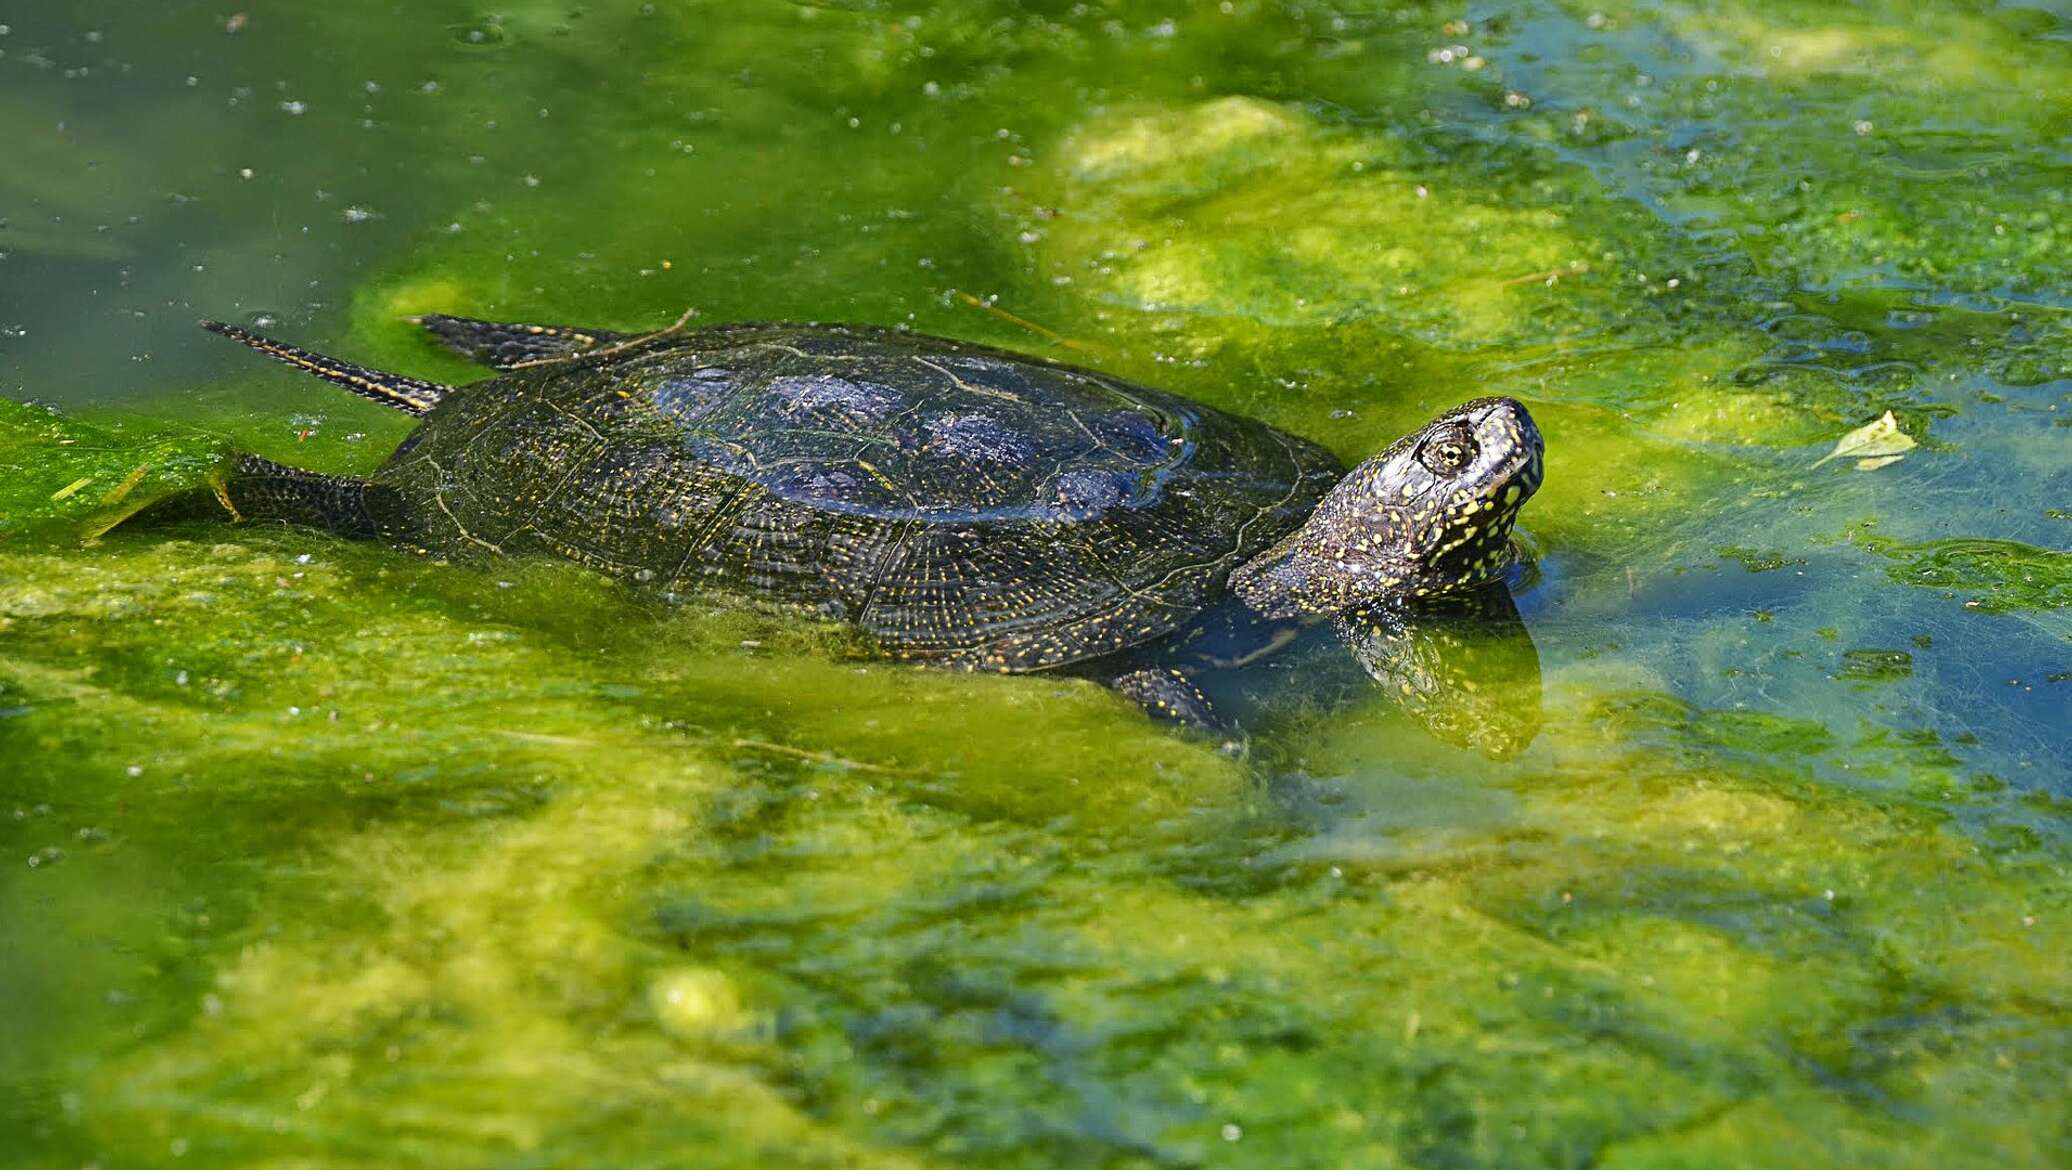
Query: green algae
<point x="1994" y="575"/>
<point x="60" y="477"/>
<point x="455" y="926"/>
<point x="318" y="854"/>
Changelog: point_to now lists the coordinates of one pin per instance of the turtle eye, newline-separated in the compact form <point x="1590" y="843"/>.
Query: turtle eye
<point x="1449" y="452"/>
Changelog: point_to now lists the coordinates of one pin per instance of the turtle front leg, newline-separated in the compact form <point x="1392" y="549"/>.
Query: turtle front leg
<point x="1171" y="696"/>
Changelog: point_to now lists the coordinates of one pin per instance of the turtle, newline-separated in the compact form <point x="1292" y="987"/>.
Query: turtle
<point x="963" y="506"/>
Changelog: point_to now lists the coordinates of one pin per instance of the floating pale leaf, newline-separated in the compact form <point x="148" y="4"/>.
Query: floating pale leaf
<point x="1872" y="445"/>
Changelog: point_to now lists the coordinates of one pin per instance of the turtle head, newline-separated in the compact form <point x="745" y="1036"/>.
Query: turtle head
<point x="1431" y="514"/>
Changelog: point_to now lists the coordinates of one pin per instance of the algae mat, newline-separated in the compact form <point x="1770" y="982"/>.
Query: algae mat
<point x="314" y="854"/>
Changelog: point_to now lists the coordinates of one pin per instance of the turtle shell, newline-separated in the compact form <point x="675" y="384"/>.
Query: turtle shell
<point x="963" y="505"/>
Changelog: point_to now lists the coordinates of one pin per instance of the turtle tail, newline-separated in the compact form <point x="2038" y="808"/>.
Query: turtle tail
<point x="249" y="488"/>
<point x="260" y="489"/>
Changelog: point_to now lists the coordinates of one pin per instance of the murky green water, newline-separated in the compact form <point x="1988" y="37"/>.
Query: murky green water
<point x="313" y="854"/>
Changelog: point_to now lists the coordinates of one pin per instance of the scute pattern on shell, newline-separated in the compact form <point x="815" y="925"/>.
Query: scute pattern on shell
<point x="965" y="506"/>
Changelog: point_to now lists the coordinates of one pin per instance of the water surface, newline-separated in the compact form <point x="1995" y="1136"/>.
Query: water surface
<point x="317" y="854"/>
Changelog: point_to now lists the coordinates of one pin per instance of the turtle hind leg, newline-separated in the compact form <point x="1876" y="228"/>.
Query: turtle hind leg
<point x="410" y="395"/>
<point x="260" y="489"/>
<point x="506" y="346"/>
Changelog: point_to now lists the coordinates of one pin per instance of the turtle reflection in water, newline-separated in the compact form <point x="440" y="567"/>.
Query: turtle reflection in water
<point x="965" y="507"/>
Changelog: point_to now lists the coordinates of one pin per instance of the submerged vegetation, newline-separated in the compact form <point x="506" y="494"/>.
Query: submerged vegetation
<point x="67" y="479"/>
<point x="313" y="853"/>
